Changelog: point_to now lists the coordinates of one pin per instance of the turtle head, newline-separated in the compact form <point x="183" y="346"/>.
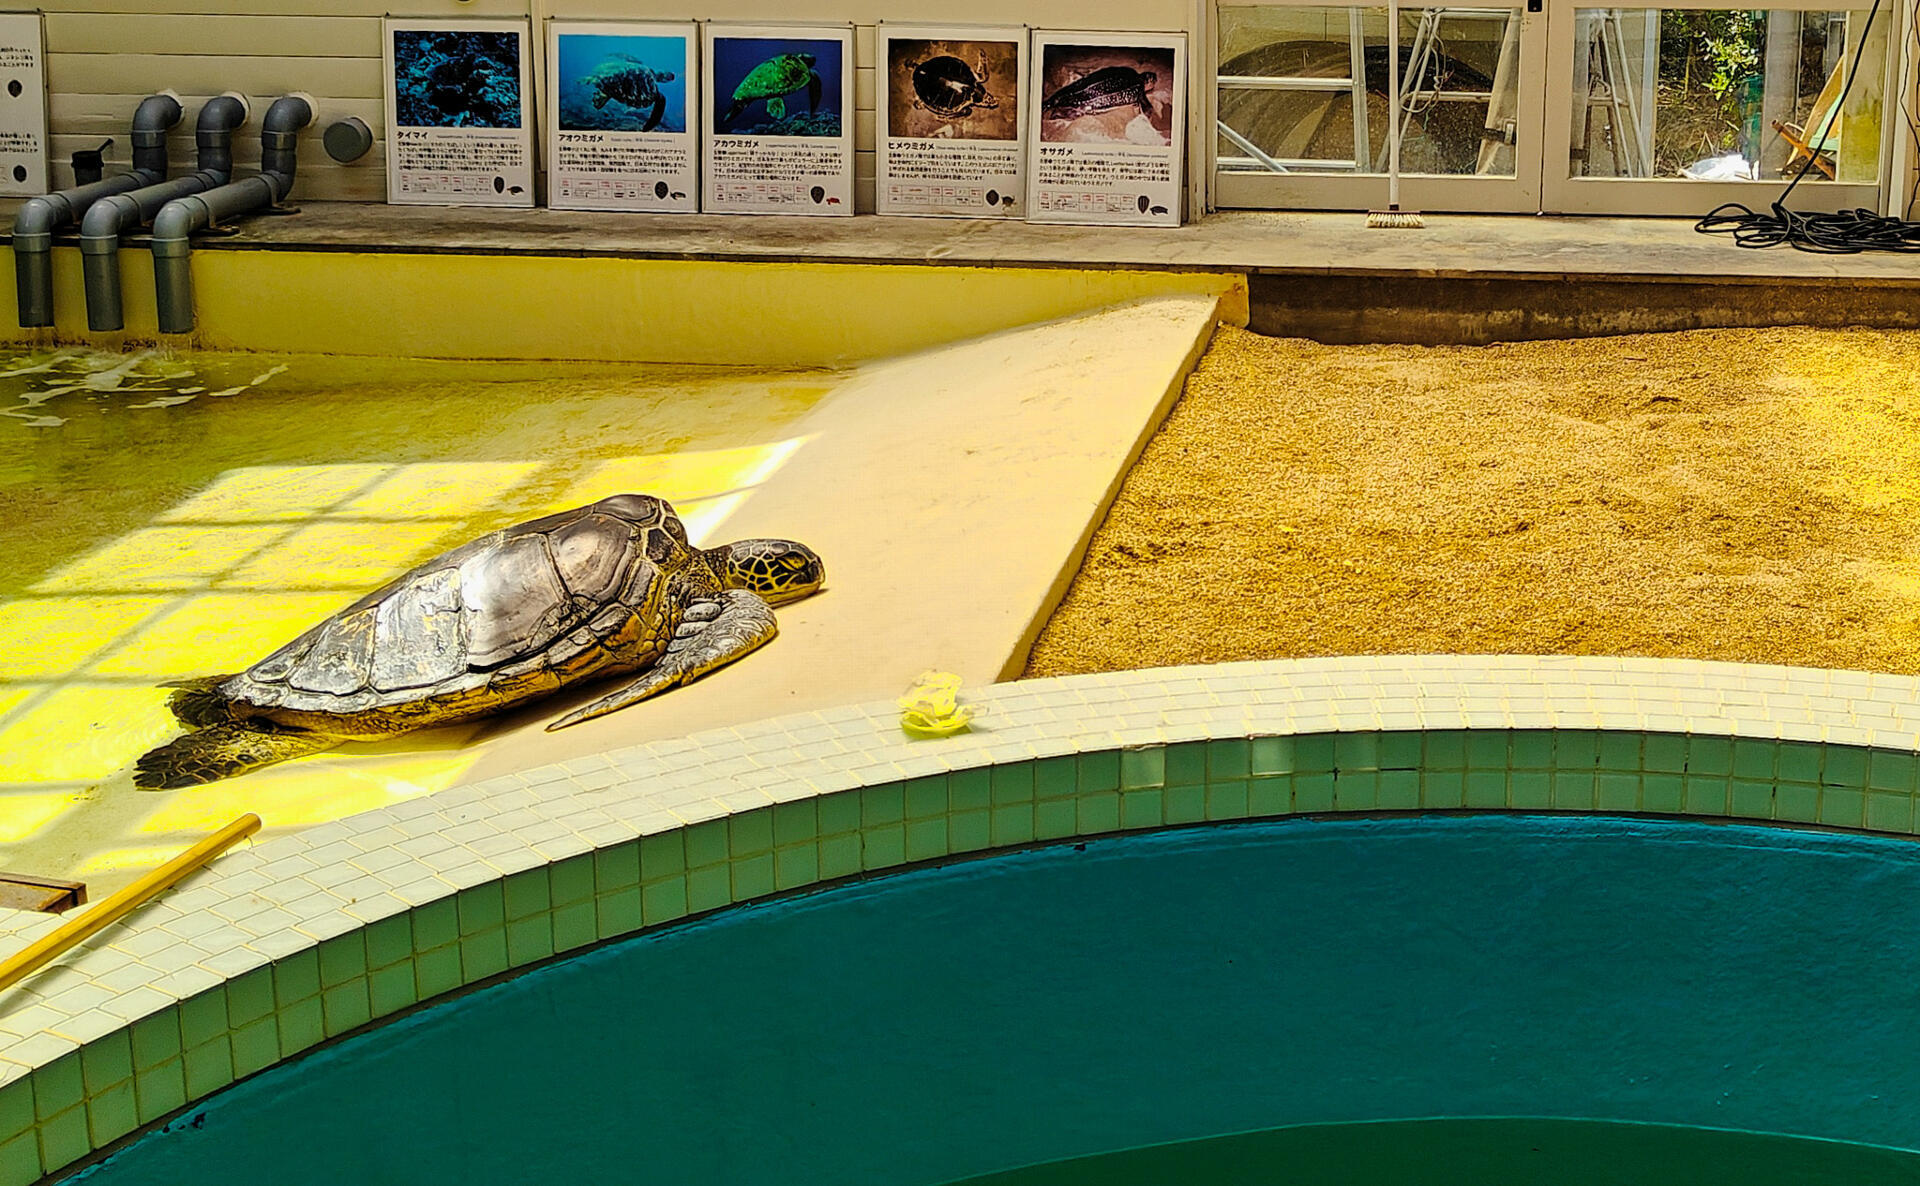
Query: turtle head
<point x="777" y="569"/>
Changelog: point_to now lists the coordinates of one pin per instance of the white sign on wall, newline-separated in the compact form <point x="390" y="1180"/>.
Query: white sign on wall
<point x="1107" y="134"/>
<point x="622" y="134"/>
<point x="459" y="113"/>
<point x="777" y="113"/>
<point x="951" y="108"/>
<point x="23" y="104"/>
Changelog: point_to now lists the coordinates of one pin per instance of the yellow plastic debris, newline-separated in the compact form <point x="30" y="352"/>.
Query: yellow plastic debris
<point x="932" y="708"/>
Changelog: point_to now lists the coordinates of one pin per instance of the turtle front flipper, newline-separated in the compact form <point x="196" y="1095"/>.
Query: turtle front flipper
<point x="813" y="91"/>
<point x="706" y="639"/>
<point x="222" y="751"/>
<point x="777" y="107"/>
<point x="733" y="112"/>
<point x="659" y="110"/>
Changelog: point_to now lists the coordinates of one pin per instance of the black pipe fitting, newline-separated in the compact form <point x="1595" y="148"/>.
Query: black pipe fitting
<point x="213" y="131"/>
<point x="152" y="120"/>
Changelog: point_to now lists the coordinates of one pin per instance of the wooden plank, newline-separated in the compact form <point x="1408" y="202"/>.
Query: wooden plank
<point x="20" y="891"/>
<point x="247" y="36"/>
<point x="209" y="75"/>
<point x="112" y="115"/>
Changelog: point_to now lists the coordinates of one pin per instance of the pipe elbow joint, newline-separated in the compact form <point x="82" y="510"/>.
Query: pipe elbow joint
<point x="287" y="115"/>
<point x="101" y="226"/>
<point x="157" y="113"/>
<point x="173" y="227"/>
<point x="33" y="223"/>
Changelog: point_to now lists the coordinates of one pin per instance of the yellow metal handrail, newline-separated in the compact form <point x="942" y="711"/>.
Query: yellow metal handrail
<point x="114" y="907"/>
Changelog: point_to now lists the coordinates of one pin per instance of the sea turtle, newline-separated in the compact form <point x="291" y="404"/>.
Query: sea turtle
<point x="1103" y="90"/>
<point x="773" y="80"/>
<point x="950" y="88"/>
<point x="624" y="80"/>
<point x="610" y="587"/>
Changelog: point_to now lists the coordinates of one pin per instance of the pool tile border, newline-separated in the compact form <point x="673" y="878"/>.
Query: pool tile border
<point x="280" y="947"/>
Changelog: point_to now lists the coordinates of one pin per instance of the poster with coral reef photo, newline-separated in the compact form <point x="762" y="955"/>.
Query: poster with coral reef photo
<point x="777" y="113"/>
<point x="622" y="133"/>
<point x="459" y="105"/>
<point x="949" y="121"/>
<point x="1107" y="130"/>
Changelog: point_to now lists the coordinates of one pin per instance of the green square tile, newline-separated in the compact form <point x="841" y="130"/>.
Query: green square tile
<point x="1890" y="811"/>
<point x="883" y="847"/>
<point x="1400" y="749"/>
<point x="1706" y="795"/>
<point x="1099" y="772"/>
<point x="1356" y="790"/>
<point x="1487" y="749"/>
<point x="106" y="1061"/>
<point x="436" y="924"/>
<point x="1753" y="758"/>
<point x="1530" y="790"/>
<point x="1099" y="812"/>
<point x="1576" y="749"/>
<point x="1573" y="790"/>
<point x="63" y="1138"/>
<point x="209" y="1067"/>
<point x="1800" y="804"/>
<point x="967" y="789"/>
<point x="1797" y="761"/>
<point x="530" y="940"/>
<point x="483" y="955"/>
<point x="1664" y="753"/>
<point x="250" y="996"/>
<point x="1399" y="790"/>
<point x="795" y="823"/>
<point x="1620" y="751"/>
<point x="301" y="1025"/>
<point x="1269" y="755"/>
<point x="341" y="960"/>
<point x="1144" y="766"/>
<point x="970" y="831"/>
<point x="57" y="1086"/>
<point x="1228" y="800"/>
<point x="884" y="804"/>
<point x="1709" y="755"/>
<point x="1229" y="757"/>
<point x="839" y="856"/>
<point x="1311" y="792"/>
<point x="1844" y="766"/>
<point x="257" y="1046"/>
<point x="20" y="1160"/>
<point x="16" y="1108"/>
<point x="707" y="889"/>
<point x="748" y="834"/>
<point x="1442" y="790"/>
<point x="1356" y="752"/>
<point x="1056" y="778"/>
<point x="160" y="1089"/>
<point x="1531" y="749"/>
<point x="926" y="797"/>
<point x="1141" y="809"/>
<point x="1842" y="808"/>
<point x="798" y="865"/>
<point x="664" y="901"/>
<point x="1487" y="787"/>
<point x="1444" y="749"/>
<point x="388" y="942"/>
<point x="665" y="854"/>
<point x="436" y="972"/>
<point x="1185" y="805"/>
<point x="707" y="844"/>
<point x="752" y="878"/>
<point x="1890" y="770"/>
<point x="1661" y="793"/>
<point x="1266" y="797"/>
<point x="1013" y="824"/>
<point x="616" y="868"/>
<point x="342" y="1009"/>
<point x="527" y="893"/>
<point x="839" y="813"/>
<point x="618" y="913"/>
<point x="573" y="923"/>
<point x="156" y="1038"/>
<point x="1617" y="791"/>
<point x="1751" y="800"/>
<point x="1055" y="819"/>
<point x="111" y="1114"/>
<point x="571" y="880"/>
<point x="1313" y="753"/>
<point x="482" y="908"/>
<point x="926" y="839"/>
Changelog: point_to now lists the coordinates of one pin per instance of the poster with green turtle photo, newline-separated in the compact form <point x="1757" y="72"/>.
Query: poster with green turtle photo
<point x="777" y="118"/>
<point x="621" y="134"/>
<point x="949" y="121"/>
<point x="459" y="103"/>
<point x="1107" y="128"/>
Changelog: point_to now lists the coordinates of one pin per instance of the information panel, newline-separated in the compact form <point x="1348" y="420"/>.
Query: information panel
<point x="23" y="104"/>
<point x="458" y="106"/>
<point x="950" y="120"/>
<point x="623" y="127"/>
<point x="1107" y="138"/>
<point x="778" y="120"/>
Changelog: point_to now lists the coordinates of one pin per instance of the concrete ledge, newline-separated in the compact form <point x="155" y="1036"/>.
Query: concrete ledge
<point x="304" y="938"/>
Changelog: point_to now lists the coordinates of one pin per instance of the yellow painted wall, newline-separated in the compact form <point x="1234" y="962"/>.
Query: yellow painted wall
<point x="493" y="306"/>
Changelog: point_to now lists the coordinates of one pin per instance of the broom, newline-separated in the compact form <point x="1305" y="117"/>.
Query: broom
<point x="1393" y="218"/>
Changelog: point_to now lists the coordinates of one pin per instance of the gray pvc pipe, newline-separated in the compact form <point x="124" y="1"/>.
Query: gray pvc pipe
<point x="38" y="218"/>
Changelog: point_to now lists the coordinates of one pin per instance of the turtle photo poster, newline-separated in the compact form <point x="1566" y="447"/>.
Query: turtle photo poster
<point x="777" y="113"/>
<point x="949" y="121"/>
<point x="623" y="134"/>
<point x="1108" y="128"/>
<point x="458" y="112"/>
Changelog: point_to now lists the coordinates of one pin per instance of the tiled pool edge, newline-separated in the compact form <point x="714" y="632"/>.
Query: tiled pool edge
<point x="306" y="937"/>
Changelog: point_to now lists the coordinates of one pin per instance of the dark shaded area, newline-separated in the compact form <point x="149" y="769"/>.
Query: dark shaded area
<point x="450" y="79"/>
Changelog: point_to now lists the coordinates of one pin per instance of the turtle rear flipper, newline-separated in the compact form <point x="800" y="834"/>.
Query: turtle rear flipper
<point x="813" y="91"/>
<point x="197" y="703"/>
<point x="744" y="622"/>
<point x="659" y="110"/>
<point x="733" y="112"/>
<point x="222" y="751"/>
